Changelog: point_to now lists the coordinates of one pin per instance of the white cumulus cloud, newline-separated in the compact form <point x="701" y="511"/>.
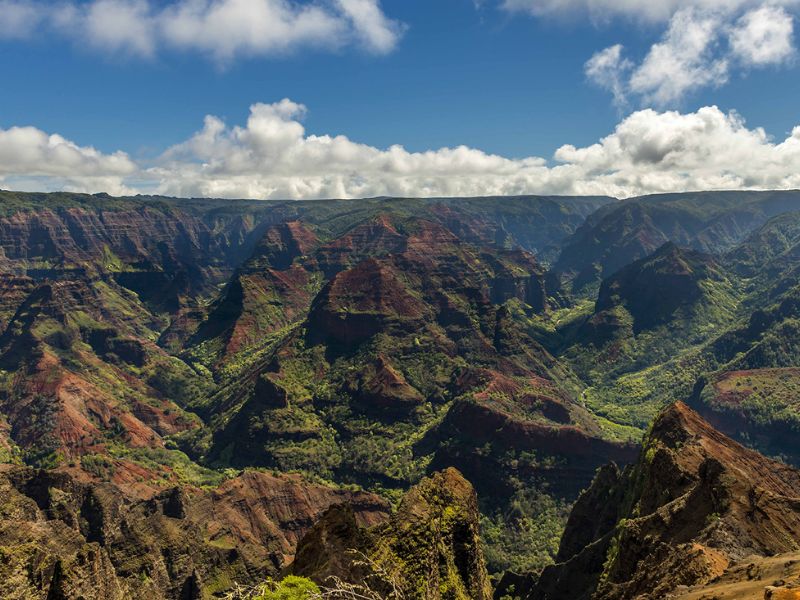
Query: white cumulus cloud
<point x="699" y="49"/>
<point x="609" y="69"/>
<point x="50" y="162"/>
<point x="273" y="156"/>
<point x="668" y="151"/>
<point x="643" y="10"/>
<point x="683" y="61"/>
<point x="764" y="37"/>
<point x="221" y="29"/>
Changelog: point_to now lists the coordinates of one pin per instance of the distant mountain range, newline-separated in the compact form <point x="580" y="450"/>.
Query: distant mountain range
<point x="167" y="365"/>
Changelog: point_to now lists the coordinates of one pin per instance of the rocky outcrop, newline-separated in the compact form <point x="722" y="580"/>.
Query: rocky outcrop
<point x="359" y="303"/>
<point x="13" y="291"/>
<point x="382" y="389"/>
<point x="429" y="549"/>
<point x="255" y="304"/>
<point x="694" y="505"/>
<point x="134" y="327"/>
<point x="60" y="538"/>
<point x="269" y="291"/>
<point x="148" y="242"/>
<point x="281" y="244"/>
<point x="375" y="238"/>
<point x="381" y="342"/>
<point x="755" y="578"/>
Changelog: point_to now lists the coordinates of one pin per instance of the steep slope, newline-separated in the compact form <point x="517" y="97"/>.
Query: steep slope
<point x="712" y="222"/>
<point x="170" y="250"/>
<point x="99" y="296"/>
<point x="652" y="311"/>
<point x="416" y="334"/>
<point x="653" y="289"/>
<point x="13" y="291"/>
<point x="268" y="292"/>
<point x="695" y="504"/>
<point x="288" y="267"/>
<point x="770" y="245"/>
<point x="762" y="334"/>
<point x="62" y="538"/>
<point x="274" y="288"/>
<point x="81" y="376"/>
<point x="161" y="253"/>
<point x="430" y="548"/>
<point x="170" y="253"/>
<point x="374" y="341"/>
<point x="742" y="319"/>
<point x="88" y="285"/>
<point x="769" y="260"/>
<point x="658" y="305"/>
<point x="532" y="435"/>
<point x="537" y="224"/>
<point x="383" y="340"/>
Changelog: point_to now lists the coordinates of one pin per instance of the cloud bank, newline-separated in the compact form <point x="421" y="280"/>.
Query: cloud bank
<point x="272" y="156"/>
<point x="30" y="158"/>
<point x="221" y="29"/>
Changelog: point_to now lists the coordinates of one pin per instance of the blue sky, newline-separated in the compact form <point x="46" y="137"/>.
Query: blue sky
<point x="507" y="79"/>
<point x="459" y="75"/>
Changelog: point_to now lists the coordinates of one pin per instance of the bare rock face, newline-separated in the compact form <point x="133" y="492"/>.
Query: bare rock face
<point x="757" y="578"/>
<point x="402" y="306"/>
<point x="282" y="244"/>
<point x="63" y="539"/>
<point x="695" y="504"/>
<point x="430" y="548"/>
<point x="359" y="303"/>
<point x="13" y="291"/>
<point x="270" y="290"/>
<point x="120" y="344"/>
<point x="383" y="388"/>
<point x="159" y="242"/>
<point x="374" y="238"/>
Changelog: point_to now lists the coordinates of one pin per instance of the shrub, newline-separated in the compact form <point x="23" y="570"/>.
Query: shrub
<point x="290" y="588"/>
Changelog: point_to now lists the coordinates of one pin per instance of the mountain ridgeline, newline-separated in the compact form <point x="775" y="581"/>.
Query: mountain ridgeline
<point x="422" y="398"/>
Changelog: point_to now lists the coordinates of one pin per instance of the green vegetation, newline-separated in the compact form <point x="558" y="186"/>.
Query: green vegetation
<point x="99" y="465"/>
<point x="10" y="455"/>
<point x="235" y="362"/>
<point x="524" y="536"/>
<point x="647" y="342"/>
<point x="768" y="396"/>
<point x="289" y="588"/>
<point x="168" y="466"/>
